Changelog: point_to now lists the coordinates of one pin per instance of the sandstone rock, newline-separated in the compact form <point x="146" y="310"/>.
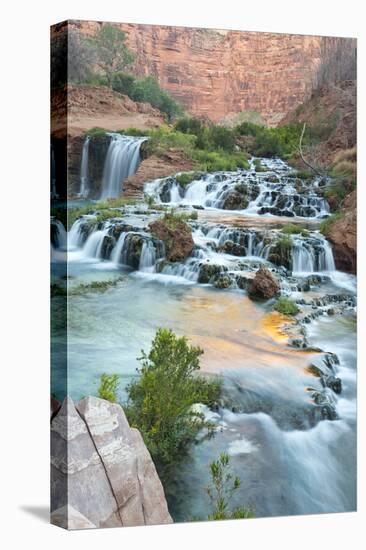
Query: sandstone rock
<point x="102" y="474"/>
<point x="155" y="167"/>
<point x="219" y="73"/>
<point x="343" y="236"/>
<point x="177" y="238"/>
<point x="264" y="285"/>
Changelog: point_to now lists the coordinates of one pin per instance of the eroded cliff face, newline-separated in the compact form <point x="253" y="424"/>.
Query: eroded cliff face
<point x="219" y="73"/>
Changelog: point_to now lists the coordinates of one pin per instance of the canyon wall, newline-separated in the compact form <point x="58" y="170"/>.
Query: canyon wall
<point x="220" y="73"/>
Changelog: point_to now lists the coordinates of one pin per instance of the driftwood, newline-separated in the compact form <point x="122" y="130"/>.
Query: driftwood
<point x="302" y="155"/>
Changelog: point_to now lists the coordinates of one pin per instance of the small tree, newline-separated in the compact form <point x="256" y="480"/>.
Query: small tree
<point x="112" y="54"/>
<point x="222" y="489"/>
<point x="160" y="401"/>
<point x="108" y="387"/>
<point x="80" y="58"/>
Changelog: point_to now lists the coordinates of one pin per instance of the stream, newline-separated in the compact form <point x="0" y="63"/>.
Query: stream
<point x="287" y="424"/>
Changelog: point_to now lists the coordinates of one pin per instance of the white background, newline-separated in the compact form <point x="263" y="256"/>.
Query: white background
<point x="24" y="208"/>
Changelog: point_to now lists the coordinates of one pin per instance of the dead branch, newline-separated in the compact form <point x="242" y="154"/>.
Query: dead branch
<point x="302" y="155"/>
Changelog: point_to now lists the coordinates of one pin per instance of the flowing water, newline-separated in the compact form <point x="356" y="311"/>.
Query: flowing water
<point x="84" y="177"/>
<point x="122" y="161"/>
<point x="290" y="436"/>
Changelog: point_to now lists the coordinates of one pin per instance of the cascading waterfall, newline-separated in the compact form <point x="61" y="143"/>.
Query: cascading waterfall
<point x="273" y="192"/>
<point x="148" y="257"/>
<point x="122" y="161"/>
<point x="84" y="179"/>
<point x="58" y="234"/>
<point x="223" y="246"/>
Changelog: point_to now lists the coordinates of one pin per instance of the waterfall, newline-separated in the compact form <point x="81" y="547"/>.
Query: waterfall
<point x="326" y="259"/>
<point x="122" y="161"/>
<point x="58" y="235"/>
<point x="84" y="180"/>
<point x="118" y="249"/>
<point x="75" y="236"/>
<point x="302" y="257"/>
<point x="148" y="257"/>
<point x="93" y="246"/>
<point x="273" y="192"/>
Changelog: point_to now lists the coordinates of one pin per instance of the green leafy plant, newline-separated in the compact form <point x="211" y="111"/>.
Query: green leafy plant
<point x="221" y="490"/>
<point x="160" y="400"/>
<point x="294" y="229"/>
<point x="328" y="222"/>
<point x="108" y="387"/>
<point x="286" y="306"/>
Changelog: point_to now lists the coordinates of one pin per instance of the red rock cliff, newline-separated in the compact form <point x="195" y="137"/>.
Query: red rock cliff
<point x="217" y="73"/>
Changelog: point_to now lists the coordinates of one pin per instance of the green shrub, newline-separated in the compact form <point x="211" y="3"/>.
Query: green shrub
<point x="186" y="178"/>
<point x="221" y="490"/>
<point x="281" y="141"/>
<point x="259" y="166"/>
<point x="133" y="132"/>
<point x="213" y="161"/>
<point x="148" y="90"/>
<point x="97" y="132"/>
<point x="123" y="83"/>
<point x="108" y="387"/>
<point x="294" y="229"/>
<point x="160" y="401"/>
<point x="165" y="138"/>
<point x="328" y="222"/>
<point x="286" y="306"/>
<point x="221" y="138"/>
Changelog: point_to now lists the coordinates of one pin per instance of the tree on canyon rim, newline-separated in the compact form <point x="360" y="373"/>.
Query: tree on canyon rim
<point x="112" y="54"/>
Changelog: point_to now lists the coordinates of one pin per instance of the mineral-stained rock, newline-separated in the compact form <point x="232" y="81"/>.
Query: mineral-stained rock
<point x="264" y="285"/>
<point x="234" y="201"/>
<point x="102" y="473"/>
<point x="343" y="236"/>
<point x="176" y="237"/>
<point x="229" y="247"/>
<point x="208" y="272"/>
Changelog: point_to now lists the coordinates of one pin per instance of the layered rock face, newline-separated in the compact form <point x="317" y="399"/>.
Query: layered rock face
<point x="219" y="73"/>
<point x="102" y="475"/>
<point x="343" y="236"/>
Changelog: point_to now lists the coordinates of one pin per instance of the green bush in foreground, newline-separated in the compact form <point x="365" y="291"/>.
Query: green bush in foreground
<point x="286" y="306"/>
<point x="160" y="401"/>
<point x="108" y="387"/>
<point x="222" y="488"/>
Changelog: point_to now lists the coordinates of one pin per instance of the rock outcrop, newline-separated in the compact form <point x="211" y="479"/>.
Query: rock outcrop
<point x="264" y="286"/>
<point x="343" y="235"/>
<point x="219" y="73"/>
<point x="177" y="238"/>
<point x="102" y="474"/>
<point x="155" y="167"/>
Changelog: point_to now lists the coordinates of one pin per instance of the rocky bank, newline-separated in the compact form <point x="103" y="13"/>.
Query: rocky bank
<point x="102" y="473"/>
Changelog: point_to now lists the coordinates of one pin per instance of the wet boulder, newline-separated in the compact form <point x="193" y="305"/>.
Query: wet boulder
<point x="234" y="201"/>
<point x="264" y="285"/>
<point x="108" y="244"/>
<point x="223" y="281"/>
<point x="176" y="235"/>
<point x="208" y="272"/>
<point x="235" y="249"/>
